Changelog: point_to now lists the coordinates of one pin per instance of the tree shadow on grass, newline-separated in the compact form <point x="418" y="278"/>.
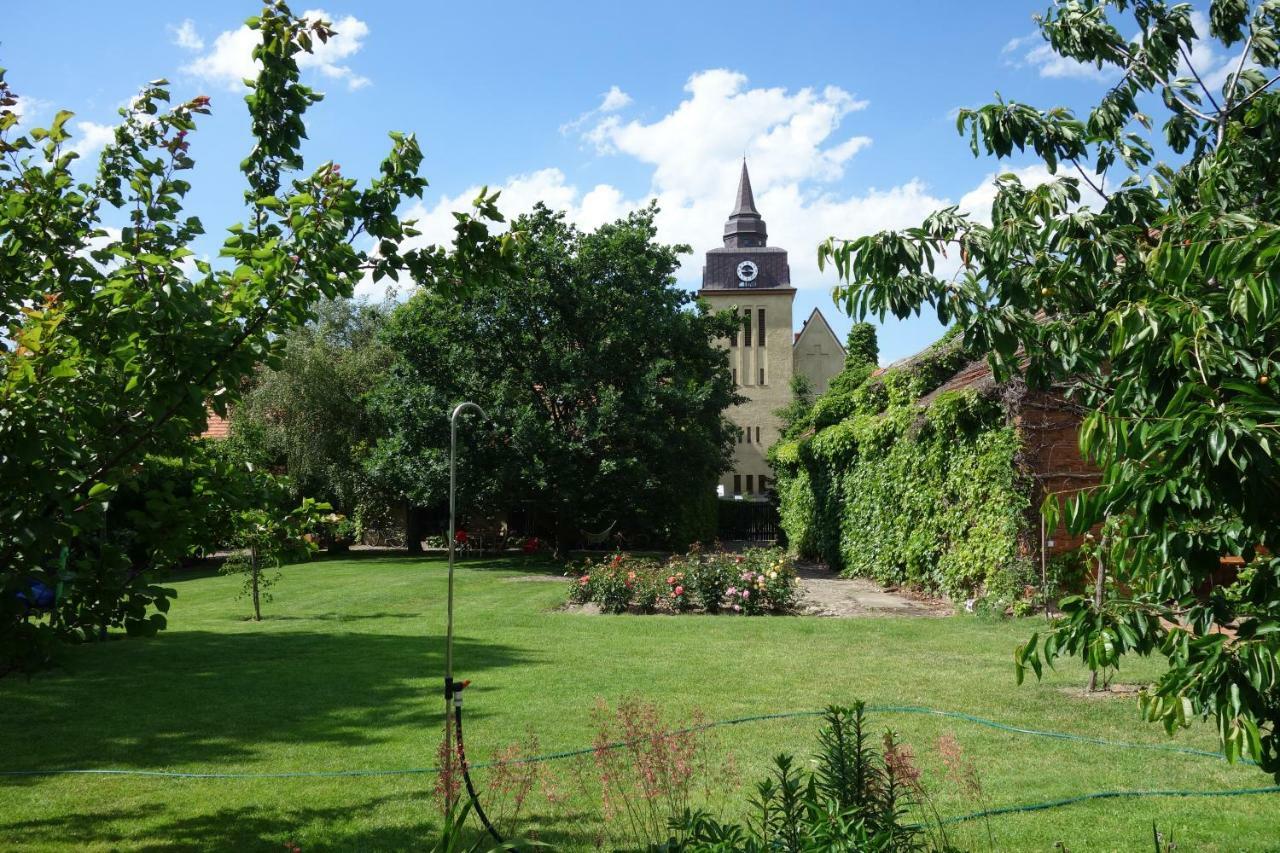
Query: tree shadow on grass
<point x="354" y="825"/>
<point x="528" y="566"/>
<point x="200" y="700"/>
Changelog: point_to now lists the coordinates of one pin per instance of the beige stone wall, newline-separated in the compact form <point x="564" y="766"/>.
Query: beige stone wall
<point x="819" y="355"/>
<point x="776" y="360"/>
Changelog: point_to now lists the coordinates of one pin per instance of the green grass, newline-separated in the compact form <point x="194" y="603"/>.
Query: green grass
<point x="344" y="673"/>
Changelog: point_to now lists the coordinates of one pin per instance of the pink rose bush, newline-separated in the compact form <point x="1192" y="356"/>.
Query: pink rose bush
<point x="755" y="582"/>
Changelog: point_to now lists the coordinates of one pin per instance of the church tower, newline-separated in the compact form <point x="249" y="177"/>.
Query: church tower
<point x="753" y="279"/>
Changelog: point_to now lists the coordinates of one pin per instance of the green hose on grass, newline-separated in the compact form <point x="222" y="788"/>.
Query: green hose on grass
<point x="885" y="709"/>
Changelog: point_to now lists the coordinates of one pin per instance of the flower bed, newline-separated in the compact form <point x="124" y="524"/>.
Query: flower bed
<point x="757" y="581"/>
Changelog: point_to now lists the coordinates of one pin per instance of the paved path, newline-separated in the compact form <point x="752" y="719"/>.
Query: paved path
<point x="826" y="594"/>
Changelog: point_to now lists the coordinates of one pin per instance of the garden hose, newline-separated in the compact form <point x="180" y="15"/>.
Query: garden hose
<point x="573" y="753"/>
<point x="455" y="688"/>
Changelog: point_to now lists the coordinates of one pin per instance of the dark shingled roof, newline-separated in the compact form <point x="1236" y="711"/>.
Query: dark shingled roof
<point x="746" y="239"/>
<point x="745" y="228"/>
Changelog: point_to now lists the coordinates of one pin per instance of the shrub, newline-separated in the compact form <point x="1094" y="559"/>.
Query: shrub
<point x="857" y="798"/>
<point x="709" y="577"/>
<point x="762" y="580"/>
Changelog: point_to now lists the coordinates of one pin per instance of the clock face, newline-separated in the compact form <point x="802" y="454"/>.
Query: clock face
<point x="747" y="271"/>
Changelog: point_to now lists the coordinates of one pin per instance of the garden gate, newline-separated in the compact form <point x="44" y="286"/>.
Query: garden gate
<point x="748" y="521"/>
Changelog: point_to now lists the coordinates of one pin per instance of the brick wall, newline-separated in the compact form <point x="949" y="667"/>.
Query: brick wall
<point x="1051" y="452"/>
<point x="218" y="427"/>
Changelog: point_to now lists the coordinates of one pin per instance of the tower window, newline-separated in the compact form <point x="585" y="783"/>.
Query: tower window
<point x="746" y="327"/>
<point x="762" y="376"/>
<point x="735" y="377"/>
<point x="748" y="435"/>
<point x="757" y="435"/>
<point x="760" y="336"/>
<point x="764" y="484"/>
<point x="750" y="485"/>
<point x="737" y="484"/>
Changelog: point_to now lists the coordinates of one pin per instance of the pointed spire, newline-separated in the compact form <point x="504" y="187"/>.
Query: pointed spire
<point x="746" y="200"/>
<point x="745" y="229"/>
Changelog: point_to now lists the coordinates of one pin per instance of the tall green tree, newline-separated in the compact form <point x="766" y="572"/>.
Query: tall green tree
<point x="604" y="389"/>
<point x="1151" y="290"/>
<point x="861" y="347"/>
<point x="309" y="416"/>
<point x="115" y="342"/>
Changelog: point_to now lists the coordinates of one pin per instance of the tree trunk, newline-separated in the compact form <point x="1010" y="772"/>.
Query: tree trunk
<point x="253" y="574"/>
<point x="412" y="529"/>
<point x="1098" y="583"/>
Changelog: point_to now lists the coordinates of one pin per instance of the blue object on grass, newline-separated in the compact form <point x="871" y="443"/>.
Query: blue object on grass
<point x="39" y="596"/>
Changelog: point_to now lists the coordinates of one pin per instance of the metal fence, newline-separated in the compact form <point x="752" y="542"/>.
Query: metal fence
<point x="748" y="521"/>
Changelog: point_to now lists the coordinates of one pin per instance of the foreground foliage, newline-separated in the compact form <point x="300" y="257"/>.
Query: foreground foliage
<point x="856" y="799"/>
<point x="1156" y="300"/>
<point x="113" y="341"/>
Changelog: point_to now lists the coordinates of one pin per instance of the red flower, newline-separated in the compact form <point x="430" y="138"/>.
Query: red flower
<point x="679" y="590"/>
<point x="460" y="537"/>
<point x="531" y="545"/>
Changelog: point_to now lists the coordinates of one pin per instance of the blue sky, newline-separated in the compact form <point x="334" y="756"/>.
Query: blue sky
<point x="845" y="110"/>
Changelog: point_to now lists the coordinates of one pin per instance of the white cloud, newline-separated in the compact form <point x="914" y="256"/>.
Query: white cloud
<point x="186" y="37"/>
<point x="93" y="137"/>
<point x="1048" y="63"/>
<point x="614" y="100"/>
<point x="610" y="102"/>
<point x="1212" y="67"/>
<point x="695" y="148"/>
<point x="28" y="110"/>
<point x="230" y="61"/>
<point x="794" y="150"/>
<point x="793" y="159"/>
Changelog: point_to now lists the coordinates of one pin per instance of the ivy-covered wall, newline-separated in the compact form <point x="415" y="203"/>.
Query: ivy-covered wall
<point x="875" y="484"/>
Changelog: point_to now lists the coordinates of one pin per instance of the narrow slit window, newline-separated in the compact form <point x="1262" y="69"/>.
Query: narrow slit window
<point x="760" y="333"/>
<point x="735" y="377"/>
<point x="737" y="484"/>
<point x="746" y="327"/>
<point x="762" y="376"/>
<point x="750" y="490"/>
<point x="748" y="435"/>
<point x="757" y="435"/>
<point x="764" y="484"/>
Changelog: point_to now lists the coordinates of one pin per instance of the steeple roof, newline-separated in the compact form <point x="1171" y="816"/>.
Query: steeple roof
<point x="745" y="228"/>
<point x="746" y="199"/>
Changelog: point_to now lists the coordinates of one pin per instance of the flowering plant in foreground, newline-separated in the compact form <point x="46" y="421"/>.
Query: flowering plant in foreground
<point x="757" y="581"/>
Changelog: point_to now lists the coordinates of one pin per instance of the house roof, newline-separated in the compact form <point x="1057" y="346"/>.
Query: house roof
<point x="818" y="314"/>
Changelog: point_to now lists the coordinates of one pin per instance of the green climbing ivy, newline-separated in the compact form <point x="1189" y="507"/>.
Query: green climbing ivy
<point x="886" y="487"/>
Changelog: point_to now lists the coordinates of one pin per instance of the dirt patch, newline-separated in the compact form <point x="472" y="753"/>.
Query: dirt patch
<point x="823" y="593"/>
<point x="588" y="609"/>
<point x="1111" y="691"/>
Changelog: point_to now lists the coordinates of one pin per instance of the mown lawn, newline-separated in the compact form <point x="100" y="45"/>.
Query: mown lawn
<point x="344" y="674"/>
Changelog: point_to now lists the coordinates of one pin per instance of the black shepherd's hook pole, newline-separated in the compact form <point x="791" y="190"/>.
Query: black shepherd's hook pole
<point x="452" y="691"/>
